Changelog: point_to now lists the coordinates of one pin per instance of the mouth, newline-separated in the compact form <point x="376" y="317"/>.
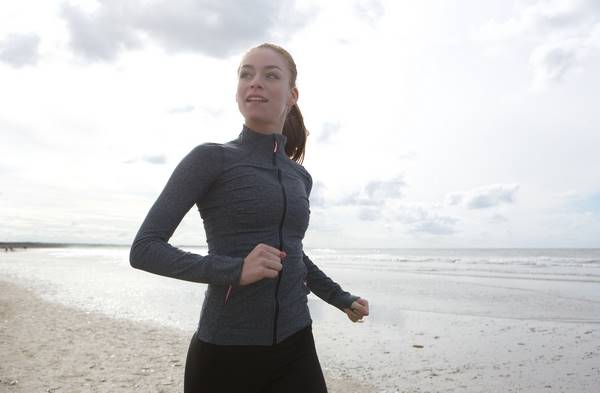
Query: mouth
<point x="256" y="98"/>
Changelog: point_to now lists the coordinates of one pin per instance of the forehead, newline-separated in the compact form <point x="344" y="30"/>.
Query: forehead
<point x="263" y="57"/>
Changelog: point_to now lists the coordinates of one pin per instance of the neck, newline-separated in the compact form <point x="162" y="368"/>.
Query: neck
<point x="264" y="128"/>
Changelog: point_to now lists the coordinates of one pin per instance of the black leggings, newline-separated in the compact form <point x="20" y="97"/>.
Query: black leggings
<point x="288" y="367"/>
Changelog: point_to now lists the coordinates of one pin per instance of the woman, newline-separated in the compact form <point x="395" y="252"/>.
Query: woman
<point x="254" y="333"/>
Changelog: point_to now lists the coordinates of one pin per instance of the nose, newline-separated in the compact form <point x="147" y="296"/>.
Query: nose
<point x="255" y="82"/>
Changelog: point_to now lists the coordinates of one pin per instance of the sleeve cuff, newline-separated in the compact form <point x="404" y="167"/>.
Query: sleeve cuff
<point x="227" y="270"/>
<point x="345" y="301"/>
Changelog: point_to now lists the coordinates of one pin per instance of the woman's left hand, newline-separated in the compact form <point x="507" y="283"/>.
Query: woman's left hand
<point x="358" y="310"/>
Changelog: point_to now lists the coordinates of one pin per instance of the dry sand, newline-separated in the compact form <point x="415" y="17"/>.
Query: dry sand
<point x="46" y="347"/>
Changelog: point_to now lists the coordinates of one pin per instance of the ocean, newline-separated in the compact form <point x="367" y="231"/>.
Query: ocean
<point x="560" y="285"/>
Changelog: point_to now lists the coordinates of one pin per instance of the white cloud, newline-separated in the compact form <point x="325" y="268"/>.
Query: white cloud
<point x="369" y="10"/>
<point x="103" y="34"/>
<point x="385" y="189"/>
<point x="485" y="197"/>
<point x="552" y="61"/>
<point x="424" y="219"/>
<point x="562" y="35"/>
<point x="156" y="159"/>
<point x="214" y="28"/>
<point x="318" y="194"/>
<point x="369" y="214"/>
<point x="374" y="193"/>
<point x="497" y="219"/>
<point x="181" y="109"/>
<point x="20" y="50"/>
<point x="328" y="131"/>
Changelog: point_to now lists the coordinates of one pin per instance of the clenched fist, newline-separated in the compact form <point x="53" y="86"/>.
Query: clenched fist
<point x="358" y="310"/>
<point x="262" y="262"/>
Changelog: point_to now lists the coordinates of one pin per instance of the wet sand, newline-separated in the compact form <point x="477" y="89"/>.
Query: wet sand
<point x="47" y="347"/>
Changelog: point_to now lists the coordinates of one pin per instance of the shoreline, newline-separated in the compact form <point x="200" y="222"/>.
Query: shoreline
<point x="50" y="347"/>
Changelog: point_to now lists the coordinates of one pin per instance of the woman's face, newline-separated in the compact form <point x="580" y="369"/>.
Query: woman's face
<point x="264" y="95"/>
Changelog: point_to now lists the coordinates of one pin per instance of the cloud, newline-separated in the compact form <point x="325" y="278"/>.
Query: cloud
<point x="328" y="131"/>
<point x="355" y="199"/>
<point x="211" y="111"/>
<point x="380" y="200"/>
<point x="425" y="220"/>
<point x="155" y="159"/>
<point x="374" y="193"/>
<point x="485" y="197"/>
<point x="369" y="214"/>
<point x="497" y="219"/>
<point x="409" y="155"/>
<point x="385" y="189"/>
<point x="214" y="28"/>
<point x="20" y="50"/>
<point x="369" y="10"/>
<point x="181" y="109"/>
<point x="564" y="34"/>
<point x="317" y="194"/>
<point x="551" y="62"/>
<point x="102" y="35"/>
<point x="588" y="204"/>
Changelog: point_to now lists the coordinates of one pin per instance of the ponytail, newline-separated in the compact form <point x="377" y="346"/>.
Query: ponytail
<point x="296" y="134"/>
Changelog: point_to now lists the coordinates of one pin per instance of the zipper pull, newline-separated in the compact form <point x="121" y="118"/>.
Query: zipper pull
<point x="227" y="295"/>
<point x="275" y="148"/>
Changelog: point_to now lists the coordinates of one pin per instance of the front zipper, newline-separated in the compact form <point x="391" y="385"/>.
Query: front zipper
<point x="280" y="239"/>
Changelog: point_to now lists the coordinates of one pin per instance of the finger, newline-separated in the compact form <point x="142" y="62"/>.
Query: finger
<point x="362" y="301"/>
<point x="359" y="308"/>
<point x="272" y="250"/>
<point x="356" y="319"/>
<point x="270" y="273"/>
<point x="358" y="313"/>
<point x="273" y="265"/>
<point x="353" y="315"/>
<point x="358" y="316"/>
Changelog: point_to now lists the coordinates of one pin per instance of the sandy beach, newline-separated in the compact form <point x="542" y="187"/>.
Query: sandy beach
<point x="82" y="320"/>
<point x="48" y="347"/>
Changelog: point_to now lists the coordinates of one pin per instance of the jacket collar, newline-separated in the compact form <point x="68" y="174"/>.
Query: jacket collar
<point x="250" y="136"/>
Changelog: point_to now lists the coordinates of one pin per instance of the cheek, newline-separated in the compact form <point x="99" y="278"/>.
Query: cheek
<point x="238" y="92"/>
<point x="283" y="97"/>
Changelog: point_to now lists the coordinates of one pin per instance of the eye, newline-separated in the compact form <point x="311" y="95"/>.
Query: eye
<point x="272" y="75"/>
<point x="245" y="75"/>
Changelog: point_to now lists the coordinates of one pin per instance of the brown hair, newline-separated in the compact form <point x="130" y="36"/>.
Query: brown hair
<point x="293" y="128"/>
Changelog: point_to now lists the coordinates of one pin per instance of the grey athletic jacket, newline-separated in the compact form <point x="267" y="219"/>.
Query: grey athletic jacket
<point x="248" y="192"/>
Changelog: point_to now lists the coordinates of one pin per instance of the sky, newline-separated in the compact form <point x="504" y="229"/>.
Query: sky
<point x="432" y="123"/>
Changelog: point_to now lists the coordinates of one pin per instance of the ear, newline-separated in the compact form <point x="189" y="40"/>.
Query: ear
<point x="293" y="96"/>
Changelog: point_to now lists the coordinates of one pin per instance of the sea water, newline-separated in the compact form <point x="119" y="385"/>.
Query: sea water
<point x="537" y="284"/>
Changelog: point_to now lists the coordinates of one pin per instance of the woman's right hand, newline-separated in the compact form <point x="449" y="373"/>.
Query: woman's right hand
<point x="262" y="262"/>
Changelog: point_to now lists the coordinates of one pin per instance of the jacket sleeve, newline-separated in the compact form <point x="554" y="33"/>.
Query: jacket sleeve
<point x="325" y="288"/>
<point x="319" y="283"/>
<point x="151" y="251"/>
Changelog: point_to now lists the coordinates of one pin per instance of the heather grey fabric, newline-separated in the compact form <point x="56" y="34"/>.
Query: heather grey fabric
<point x="248" y="192"/>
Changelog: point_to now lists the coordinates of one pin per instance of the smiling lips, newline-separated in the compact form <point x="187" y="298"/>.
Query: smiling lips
<point x="256" y="98"/>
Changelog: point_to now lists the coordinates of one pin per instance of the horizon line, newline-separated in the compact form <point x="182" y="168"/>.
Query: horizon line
<point x="31" y="244"/>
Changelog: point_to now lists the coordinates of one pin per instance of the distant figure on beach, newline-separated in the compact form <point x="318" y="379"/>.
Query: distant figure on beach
<point x="254" y="333"/>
